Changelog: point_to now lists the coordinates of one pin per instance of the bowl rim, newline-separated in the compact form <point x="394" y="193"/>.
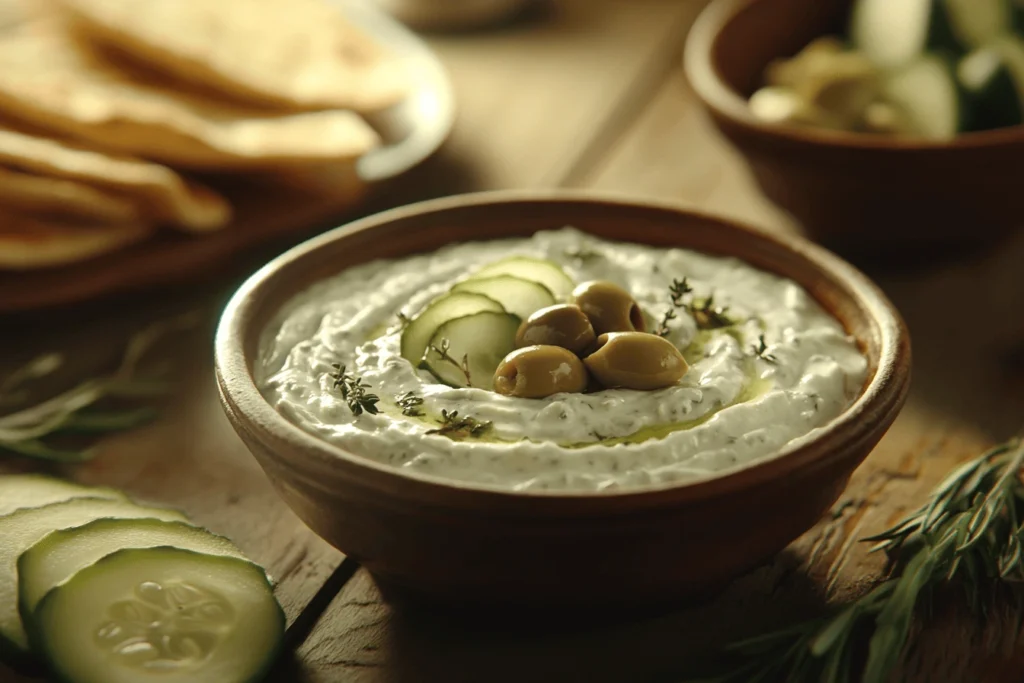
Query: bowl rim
<point x="725" y="102"/>
<point x="880" y="399"/>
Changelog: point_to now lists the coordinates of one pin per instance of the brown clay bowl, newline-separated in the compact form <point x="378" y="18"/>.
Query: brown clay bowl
<point x="848" y="190"/>
<point x="424" y="537"/>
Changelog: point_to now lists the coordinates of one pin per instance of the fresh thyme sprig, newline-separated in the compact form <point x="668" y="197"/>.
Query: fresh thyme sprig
<point x="677" y="290"/>
<point x="455" y="427"/>
<point x="94" y="406"/>
<point x="968" y="533"/>
<point x="403" y="320"/>
<point x="443" y="353"/>
<point x="582" y="254"/>
<point x="410" y="404"/>
<point x="760" y="350"/>
<point x="709" y="316"/>
<point x="353" y="390"/>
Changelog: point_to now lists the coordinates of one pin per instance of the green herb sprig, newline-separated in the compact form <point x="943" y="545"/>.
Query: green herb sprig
<point x="760" y="350"/>
<point x="457" y="427"/>
<point x="443" y="352"/>
<point x="410" y="404"/>
<point x="94" y="406"/>
<point x="705" y="313"/>
<point x="353" y="391"/>
<point x="969" y="533"/>
<point x="676" y="291"/>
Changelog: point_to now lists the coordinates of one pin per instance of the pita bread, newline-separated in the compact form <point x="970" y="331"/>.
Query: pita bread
<point x="58" y="198"/>
<point x="54" y="81"/>
<point x="162" y="194"/>
<point x="28" y="243"/>
<point x="297" y="53"/>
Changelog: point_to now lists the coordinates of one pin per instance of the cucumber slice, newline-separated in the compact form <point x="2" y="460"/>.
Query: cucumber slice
<point x="417" y="333"/>
<point x="894" y="33"/>
<point x="928" y="94"/>
<point x="976" y="22"/>
<point x="483" y="339"/>
<point x="991" y="90"/>
<point x="162" y="614"/>
<point x="22" y="529"/>
<point x="518" y="296"/>
<point x="63" y="553"/>
<point x="35" y="490"/>
<point x="541" y="271"/>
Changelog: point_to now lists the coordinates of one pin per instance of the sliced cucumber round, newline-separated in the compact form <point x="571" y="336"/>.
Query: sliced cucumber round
<point x="22" y="529"/>
<point x="541" y="271"/>
<point x="161" y="614"/>
<point x="61" y="554"/>
<point x="991" y="90"/>
<point x="474" y="346"/>
<point x="976" y="22"/>
<point x="35" y="490"/>
<point x="417" y="333"/>
<point x="894" y="33"/>
<point x="928" y="94"/>
<point x="518" y="296"/>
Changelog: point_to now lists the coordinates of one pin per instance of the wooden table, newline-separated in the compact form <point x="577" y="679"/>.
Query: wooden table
<point x="589" y="94"/>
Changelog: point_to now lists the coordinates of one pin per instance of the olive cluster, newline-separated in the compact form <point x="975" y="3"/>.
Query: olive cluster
<point x="598" y="341"/>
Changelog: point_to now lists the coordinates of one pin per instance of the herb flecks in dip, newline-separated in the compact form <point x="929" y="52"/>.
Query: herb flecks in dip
<point x="779" y="370"/>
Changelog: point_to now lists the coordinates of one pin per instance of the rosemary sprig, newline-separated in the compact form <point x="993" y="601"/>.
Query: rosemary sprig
<point x="29" y="431"/>
<point x="455" y="427"/>
<point x="410" y="404"/>
<point x="968" y="533"/>
<point x="353" y="391"/>
<point x="443" y="353"/>
<point x="677" y="290"/>
<point x="760" y="350"/>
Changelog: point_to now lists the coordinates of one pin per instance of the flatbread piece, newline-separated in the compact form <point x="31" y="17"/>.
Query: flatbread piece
<point x="299" y="53"/>
<point x="52" y="80"/>
<point x="29" y="243"/>
<point x="60" y="198"/>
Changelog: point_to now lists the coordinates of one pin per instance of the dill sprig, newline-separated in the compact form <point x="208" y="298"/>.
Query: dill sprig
<point x="410" y="404"/>
<point x="92" y="407"/>
<point x="969" y="534"/>
<point x="677" y="290"/>
<point x="456" y="427"/>
<point x="353" y="391"/>
<point x="760" y="350"/>
<point x="442" y="352"/>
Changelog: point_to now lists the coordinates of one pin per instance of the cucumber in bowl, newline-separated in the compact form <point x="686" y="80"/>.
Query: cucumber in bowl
<point x="517" y="296"/>
<point x="541" y="271"/>
<point x="465" y="352"/>
<point x="991" y="79"/>
<point x="928" y="93"/>
<point x="161" y="614"/>
<point x="417" y="334"/>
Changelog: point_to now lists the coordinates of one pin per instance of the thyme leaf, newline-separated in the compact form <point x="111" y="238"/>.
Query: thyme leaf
<point x="968" y="533"/>
<point x="353" y="391"/>
<point x="760" y="350"/>
<point x="410" y="404"/>
<point x="583" y="254"/>
<point x="443" y="353"/>
<point x="705" y="313"/>
<point x="677" y="290"/>
<point x="455" y="427"/>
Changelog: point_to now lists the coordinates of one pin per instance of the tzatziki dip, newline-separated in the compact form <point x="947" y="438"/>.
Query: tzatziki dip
<point x="454" y="363"/>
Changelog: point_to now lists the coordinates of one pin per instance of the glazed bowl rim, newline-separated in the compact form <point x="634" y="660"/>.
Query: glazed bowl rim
<point x="725" y="102"/>
<point x="883" y="393"/>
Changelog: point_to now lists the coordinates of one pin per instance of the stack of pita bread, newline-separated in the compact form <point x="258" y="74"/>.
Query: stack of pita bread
<point x="107" y="105"/>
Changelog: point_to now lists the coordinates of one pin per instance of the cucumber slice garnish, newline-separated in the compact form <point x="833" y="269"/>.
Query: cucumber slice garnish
<point x="517" y="296"/>
<point x="480" y="340"/>
<point x="893" y="33"/>
<point x="991" y="89"/>
<point x="62" y="554"/>
<point x="537" y="270"/>
<point x="928" y="94"/>
<point x="417" y="333"/>
<point x="35" y="490"/>
<point x="22" y="529"/>
<point x="161" y="614"/>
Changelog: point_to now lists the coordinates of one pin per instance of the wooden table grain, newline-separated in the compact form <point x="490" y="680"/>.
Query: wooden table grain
<point x="587" y="94"/>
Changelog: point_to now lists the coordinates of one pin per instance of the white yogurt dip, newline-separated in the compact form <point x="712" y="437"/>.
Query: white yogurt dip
<point x="733" y="407"/>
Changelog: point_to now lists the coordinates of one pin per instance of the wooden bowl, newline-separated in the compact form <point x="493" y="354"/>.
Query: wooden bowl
<point x="425" y="537"/>
<point x="848" y="190"/>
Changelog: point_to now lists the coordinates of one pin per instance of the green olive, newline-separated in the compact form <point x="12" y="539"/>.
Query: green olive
<point x="609" y="307"/>
<point x="636" y="360"/>
<point x="562" y="325"/>
<point x="539" y="371"/>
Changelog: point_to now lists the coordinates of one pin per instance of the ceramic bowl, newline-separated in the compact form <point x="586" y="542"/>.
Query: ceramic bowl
<point x="848" y="190"/>
<point x="427" y="538"/>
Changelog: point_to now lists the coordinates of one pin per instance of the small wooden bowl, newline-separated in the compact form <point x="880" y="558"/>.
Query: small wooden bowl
<point x="425" y="537"/>
<point x="850" y="191"/>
